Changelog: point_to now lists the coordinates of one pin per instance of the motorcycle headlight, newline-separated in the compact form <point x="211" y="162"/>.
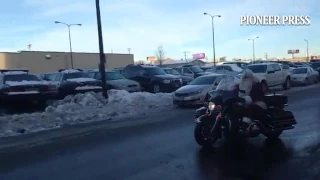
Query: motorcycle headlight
<point x="211" y="106"/>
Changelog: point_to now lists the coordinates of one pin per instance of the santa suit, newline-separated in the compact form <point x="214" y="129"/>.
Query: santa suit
<point x="252" y="92"/>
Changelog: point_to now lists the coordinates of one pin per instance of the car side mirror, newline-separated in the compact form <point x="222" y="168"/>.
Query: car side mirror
<point x="270" y="72"/>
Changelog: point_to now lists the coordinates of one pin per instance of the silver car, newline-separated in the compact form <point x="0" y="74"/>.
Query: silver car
<point x="196" y="92"/>
<point x="115" y="80"/>
<point x="304" y="75"/>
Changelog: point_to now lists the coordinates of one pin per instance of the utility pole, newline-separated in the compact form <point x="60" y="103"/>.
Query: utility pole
<point x="185" y="55"/>
<point x="213" y="42"/>
<point x="266" y="56"/>
<point x="307" y="49"/>
<point x="29" y="47"/>
<point x="129" y="50"/>
<point x="102" y="68"/>
<point x="253" y="51"/>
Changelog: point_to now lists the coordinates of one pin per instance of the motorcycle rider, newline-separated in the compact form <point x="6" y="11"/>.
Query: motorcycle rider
<point x="251" y="90"/>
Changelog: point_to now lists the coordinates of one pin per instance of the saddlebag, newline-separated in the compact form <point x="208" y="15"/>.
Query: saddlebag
<point x="275" y="100"/>
<point x="282" y="119"/>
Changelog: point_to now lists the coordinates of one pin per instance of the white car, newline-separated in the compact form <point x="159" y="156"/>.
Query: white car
<point x="271" y="74"/>
<point x="231" y="69"/>
<point x="304" y="75"/>
<point x="196" y="92"/>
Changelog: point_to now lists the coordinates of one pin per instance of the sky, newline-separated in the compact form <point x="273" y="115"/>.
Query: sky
<point x="143" y="25"/>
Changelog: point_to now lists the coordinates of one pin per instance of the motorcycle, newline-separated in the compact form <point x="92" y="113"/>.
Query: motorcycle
<point x="223" y="116"/>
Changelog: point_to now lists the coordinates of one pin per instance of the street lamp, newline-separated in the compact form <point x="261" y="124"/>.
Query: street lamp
<point x="307" y="48"/>
<point x="101" y="52"/>
<point x="253" y="53"/>
<point x="69" y="25"/>
<point x="213" y="44"/>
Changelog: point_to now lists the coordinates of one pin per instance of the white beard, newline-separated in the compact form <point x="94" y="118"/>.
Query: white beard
<point x="245" y="85"/>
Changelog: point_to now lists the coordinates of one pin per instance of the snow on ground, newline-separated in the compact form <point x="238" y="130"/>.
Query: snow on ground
<point x="84" y="108"/>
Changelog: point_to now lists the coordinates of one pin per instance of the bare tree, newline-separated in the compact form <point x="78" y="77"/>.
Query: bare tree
<point x="139" y="62"/>
<point x="160" y="54"/>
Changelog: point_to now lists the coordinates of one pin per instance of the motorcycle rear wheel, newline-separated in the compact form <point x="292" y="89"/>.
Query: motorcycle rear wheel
<point x="201" y="135"/>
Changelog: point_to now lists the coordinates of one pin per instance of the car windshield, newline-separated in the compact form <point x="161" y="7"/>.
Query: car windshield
<point x="21" y="77"/>
<point x="258" y="68"/>
<point x="114" y="75"/>
<point x="315" y="65"/>
<point x="155" y="71"/>
<point x="76" y="75"/>
<point x="204" y="80"/>
<point x="300" y="71"/>
<point x="195" y="69"/>
<point x="172" y="71"/>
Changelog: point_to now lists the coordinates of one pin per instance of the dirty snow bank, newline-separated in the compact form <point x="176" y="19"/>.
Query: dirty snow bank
<point x="84" y="108"/>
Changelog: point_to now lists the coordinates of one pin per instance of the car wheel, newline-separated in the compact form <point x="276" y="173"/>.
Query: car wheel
<point x="156" y="88"/>
<point x="307" y="81"/>
<point x="287" y="84"/>
<point x="264" y="87"/>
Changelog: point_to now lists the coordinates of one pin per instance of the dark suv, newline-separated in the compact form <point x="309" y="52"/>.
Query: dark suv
<point x="152" y="78"/>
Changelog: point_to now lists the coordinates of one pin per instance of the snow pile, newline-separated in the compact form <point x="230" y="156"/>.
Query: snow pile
<point x="83" y="108"/>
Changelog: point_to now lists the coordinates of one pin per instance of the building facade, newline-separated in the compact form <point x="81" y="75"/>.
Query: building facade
<point x="42" y="62"/>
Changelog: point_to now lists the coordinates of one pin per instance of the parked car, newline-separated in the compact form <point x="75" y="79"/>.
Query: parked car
<point x="19" y="85"/>
<point x="299" y="64"/>
<point x="185" y="79"/>
<point x="231" y="69"/>
<point x="118" y="69"/>
<point x="239" y="64"/>
<point x="115" y="80"/>
<point x="304" y="75"/>
<point x="289" y="63"/>
<point x="191" y="71"/>
<point x="315" y="66"/>
<point x="72" y="81"/>
<point x="211" y="70"/>
<point x="271" y="74"/>
<point x="152" y="78"/>
<point x="196" y="92"/>
<point x="44" y="76"/>
<point x="205" y="68"/>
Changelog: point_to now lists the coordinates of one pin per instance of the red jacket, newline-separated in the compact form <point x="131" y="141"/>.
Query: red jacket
<point x="257" y="93"/>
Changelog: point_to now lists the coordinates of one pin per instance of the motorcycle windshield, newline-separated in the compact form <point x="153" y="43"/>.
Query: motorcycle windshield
<point x="227" y="88"/>
<point x="229" y="83"/>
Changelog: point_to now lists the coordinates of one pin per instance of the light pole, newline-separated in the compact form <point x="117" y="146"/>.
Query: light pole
<point x="102" y="63"/>
<point x="213" y="44"/>
<point x="253" y="53"/>
<point x="307" y="49"/>
<point x="70" y="45"/>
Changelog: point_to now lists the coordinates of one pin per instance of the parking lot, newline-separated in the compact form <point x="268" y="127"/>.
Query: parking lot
<point x="69" y="97"/>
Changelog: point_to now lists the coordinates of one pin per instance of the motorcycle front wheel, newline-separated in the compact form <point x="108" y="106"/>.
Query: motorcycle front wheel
<point x="202" y="135"/>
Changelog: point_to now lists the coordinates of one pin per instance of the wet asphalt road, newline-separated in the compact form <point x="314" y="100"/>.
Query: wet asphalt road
<point x="167" y="150"/>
